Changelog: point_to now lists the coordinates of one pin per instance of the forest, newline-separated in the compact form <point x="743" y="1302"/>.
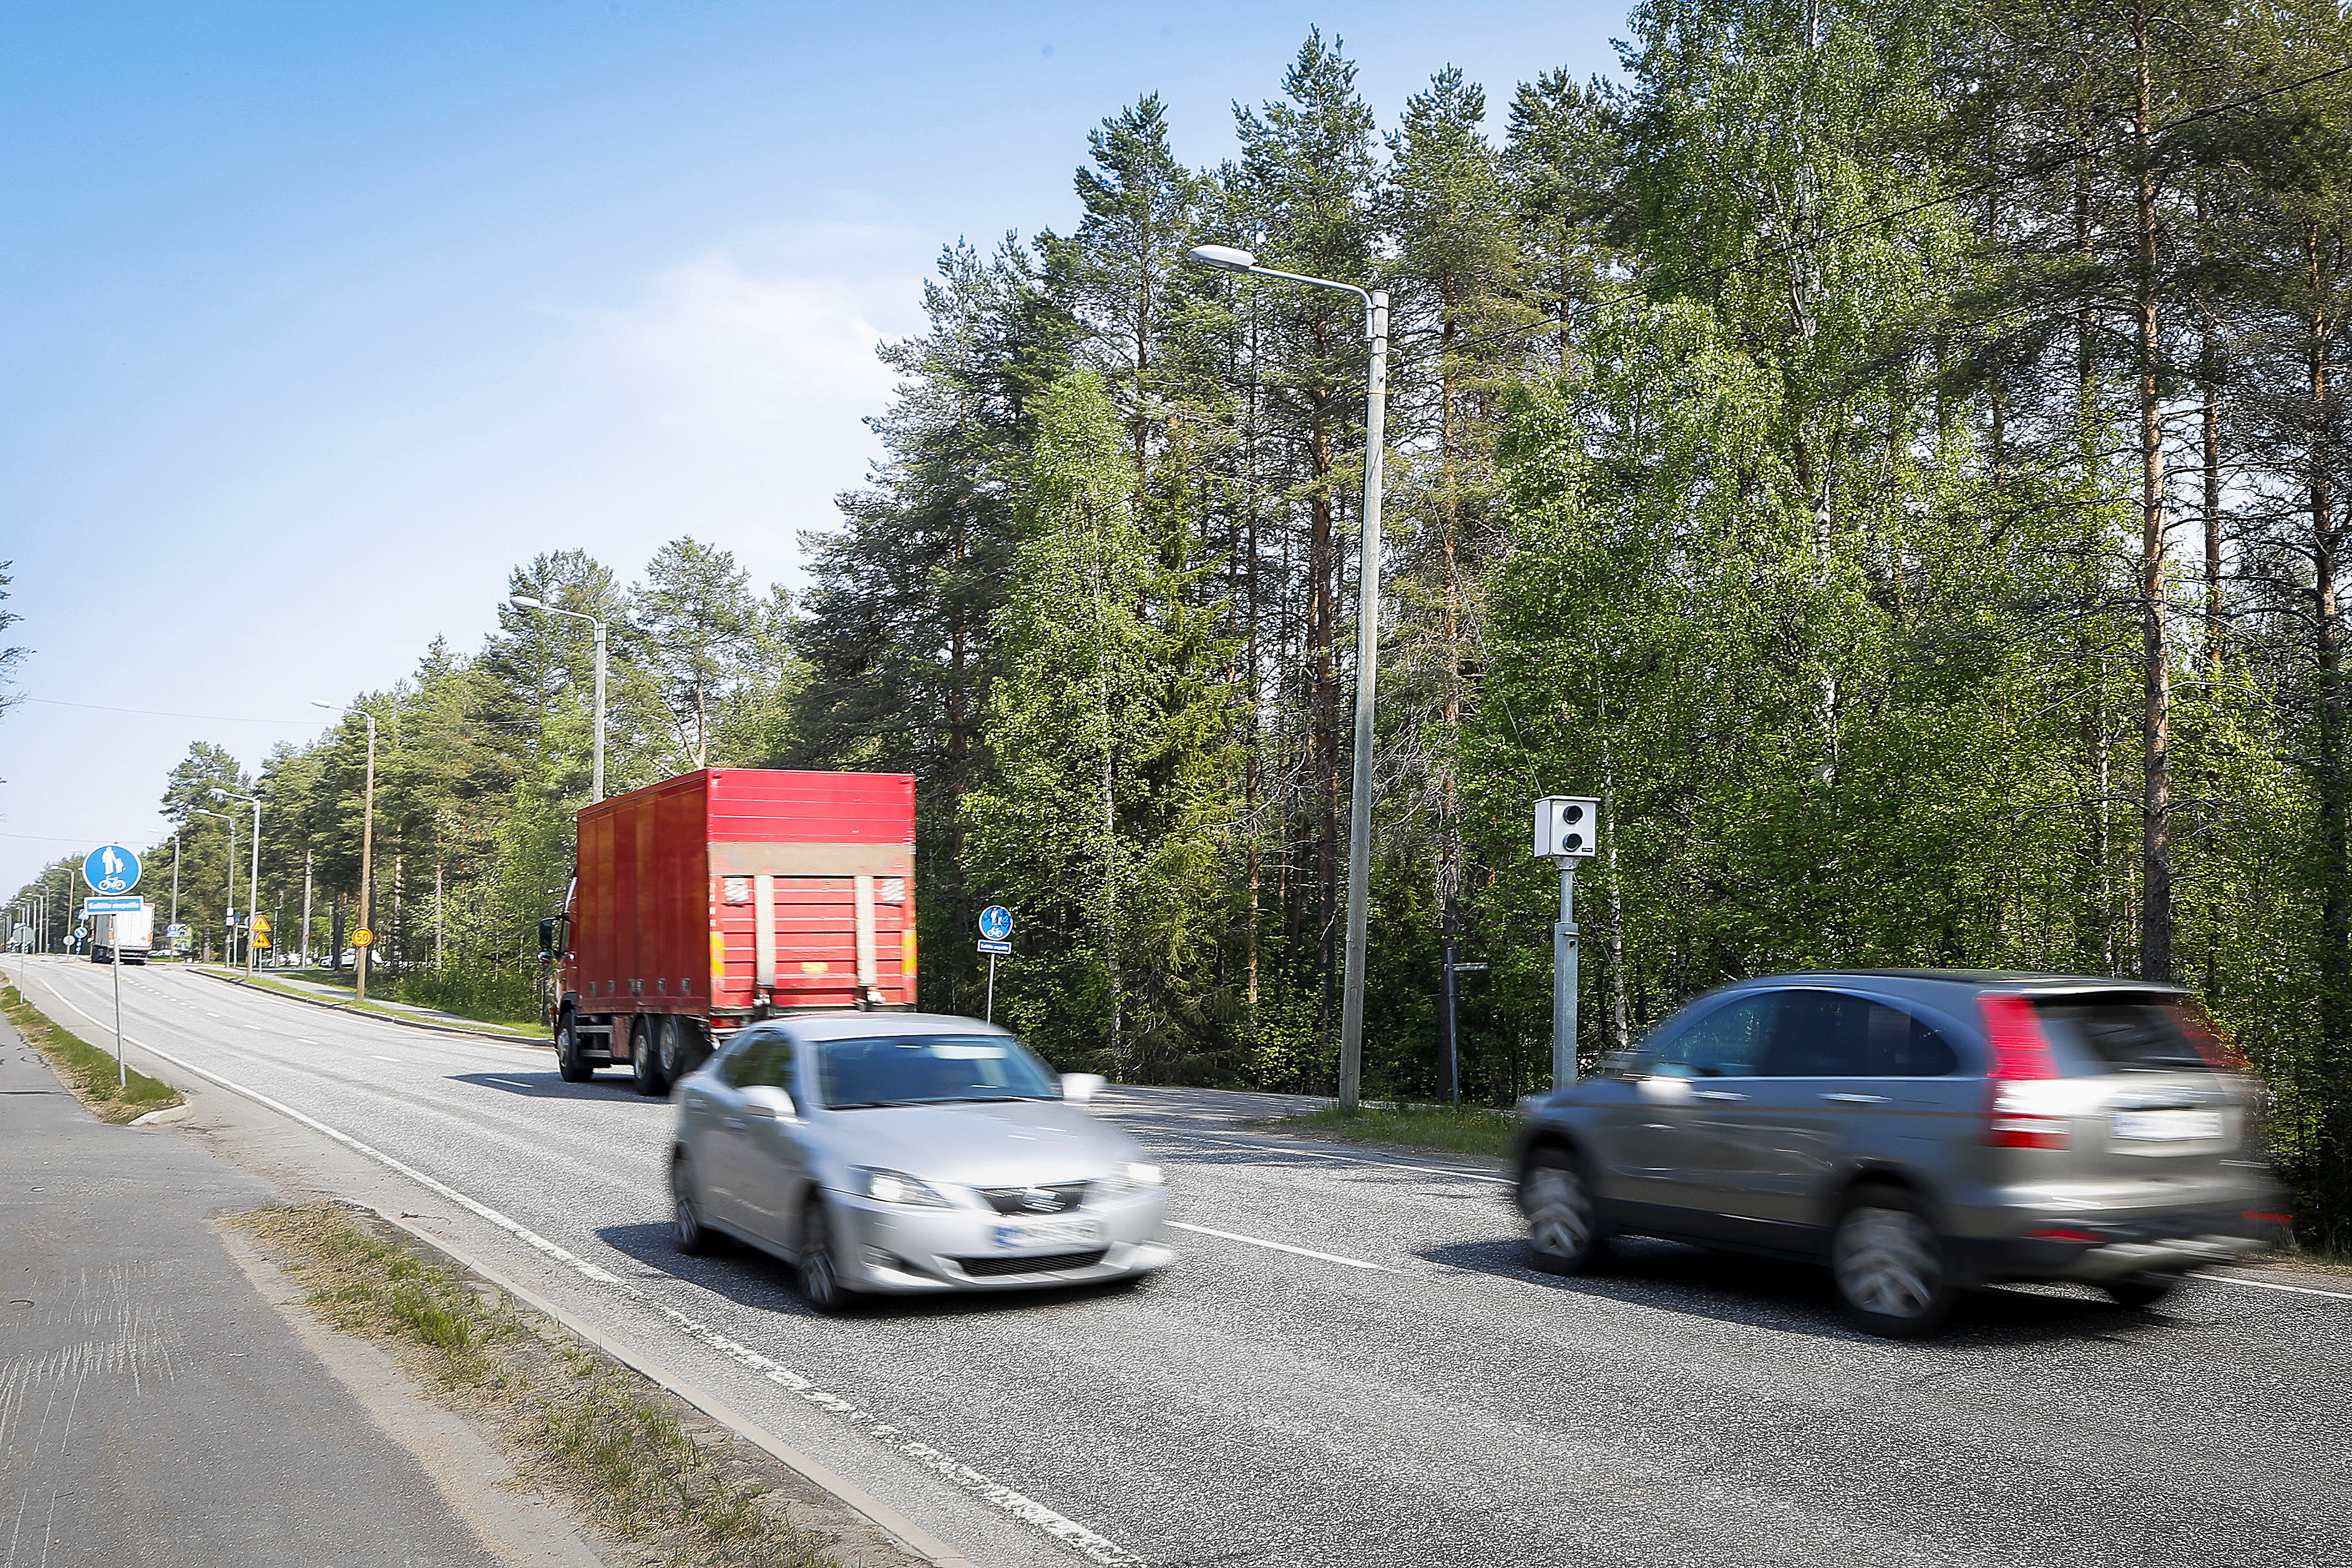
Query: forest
<point x="1895" y="455"/>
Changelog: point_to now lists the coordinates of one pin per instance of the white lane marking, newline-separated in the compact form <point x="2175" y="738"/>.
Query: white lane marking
<point x="2273" y="1285"/>
<point x="1286" y="1247"/>
<point x="507" y="1081"/>
<point x="1269" y="1147"/>
<point x="1028" y="1510"/>
<point x="385" y="1059"/>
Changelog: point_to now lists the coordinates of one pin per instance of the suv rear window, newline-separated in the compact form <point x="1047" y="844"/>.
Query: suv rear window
<point x="2124" y="1033"/>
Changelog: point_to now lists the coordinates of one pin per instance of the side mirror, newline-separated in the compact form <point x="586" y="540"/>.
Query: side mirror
<point x="1078" y="1088"/>
<point x="547" y="941"/>
<point x="769" y="1100"/>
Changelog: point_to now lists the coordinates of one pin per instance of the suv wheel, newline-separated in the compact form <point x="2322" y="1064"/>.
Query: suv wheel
<point x="1889" y="1265"/>
<point x="1563" y="1222"/>
<point x="567" y="1051"/>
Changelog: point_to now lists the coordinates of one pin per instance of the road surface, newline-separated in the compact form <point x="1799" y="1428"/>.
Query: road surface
<point x="1350" y="1365"/>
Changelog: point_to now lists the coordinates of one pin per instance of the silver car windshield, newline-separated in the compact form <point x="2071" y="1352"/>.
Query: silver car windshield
<point x="930" y="1070"/>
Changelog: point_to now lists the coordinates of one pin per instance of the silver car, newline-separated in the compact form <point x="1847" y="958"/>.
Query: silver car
<point x="905" y="1154"/>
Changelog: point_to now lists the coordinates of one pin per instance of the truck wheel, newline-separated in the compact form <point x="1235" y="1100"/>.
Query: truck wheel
<point x="671" y="1054"/>
<point x="567" y="1051"/>
<point x="644" y="1063"/>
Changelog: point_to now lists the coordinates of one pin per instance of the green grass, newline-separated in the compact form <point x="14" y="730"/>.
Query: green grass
<point x="1464" y="1130"/>
<point x="582" y="1424"/>
<point x="88" y="1071"/>
<point x="275" y="980"/>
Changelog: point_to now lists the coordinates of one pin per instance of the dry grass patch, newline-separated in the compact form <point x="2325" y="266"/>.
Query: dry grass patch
<point x="580" y="1425"/>
<point x="90" y="1073"/>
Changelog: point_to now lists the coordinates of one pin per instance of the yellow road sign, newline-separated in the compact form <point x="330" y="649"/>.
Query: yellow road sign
<point x="362" y="936"/>
<point x="261" y="926"/>
<point x="261" y="939"/>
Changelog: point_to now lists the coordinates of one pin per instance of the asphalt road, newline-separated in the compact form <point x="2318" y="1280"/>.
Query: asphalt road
<point x="1361" y="1371"/>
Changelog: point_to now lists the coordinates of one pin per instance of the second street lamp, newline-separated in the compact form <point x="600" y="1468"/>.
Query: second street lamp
<point x="228" y="920"/>
<point x="596" y="764"/>
<point x="253" y="855"/>
<point x="367" y="857"/>
<point x="1225" y="258"/>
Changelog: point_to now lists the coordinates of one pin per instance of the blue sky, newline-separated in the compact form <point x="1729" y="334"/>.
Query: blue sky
<point x="318" y="318"/>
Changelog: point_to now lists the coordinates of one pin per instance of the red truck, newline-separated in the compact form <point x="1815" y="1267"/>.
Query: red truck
<point x="720" y="897"/>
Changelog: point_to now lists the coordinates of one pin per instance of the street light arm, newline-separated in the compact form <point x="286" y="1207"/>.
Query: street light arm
<point x="1363" y="294"/>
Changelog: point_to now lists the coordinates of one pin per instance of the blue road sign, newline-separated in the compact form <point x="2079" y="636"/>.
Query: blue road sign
<point x="988" y="946"/>
<point x="112" y="905"/>
<point x="112" y="869"/>
<point x="996" y="923"/>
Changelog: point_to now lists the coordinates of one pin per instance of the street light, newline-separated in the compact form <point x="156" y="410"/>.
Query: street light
<point x="367" y="854"/>
<point x="1226" y="258"/>
<point x="229" y="920"/>
<point x="597" y="766"/>
<point x="252" y="855"/>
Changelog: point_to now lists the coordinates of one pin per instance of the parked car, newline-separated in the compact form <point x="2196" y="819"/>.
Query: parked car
<point x="1920" y="1131"/>
<point x="905" y="1154"/>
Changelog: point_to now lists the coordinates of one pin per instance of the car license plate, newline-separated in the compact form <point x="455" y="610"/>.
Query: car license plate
<point x="1051" y="1233"/>
<point x="2166" y="1126"/>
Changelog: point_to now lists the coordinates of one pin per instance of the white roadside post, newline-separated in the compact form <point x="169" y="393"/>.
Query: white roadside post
<point x="1565" y="830"/>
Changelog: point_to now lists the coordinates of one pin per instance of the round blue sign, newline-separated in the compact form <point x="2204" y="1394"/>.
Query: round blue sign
<point x="996" y="923"/>
<point x="111" y="870"/>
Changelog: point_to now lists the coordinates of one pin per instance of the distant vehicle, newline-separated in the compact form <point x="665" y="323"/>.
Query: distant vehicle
<point x="132" y="932"/>
<point x="1922" y="1133"/>
<point x="909" y="1153"/>
<point x="724" y="896"/>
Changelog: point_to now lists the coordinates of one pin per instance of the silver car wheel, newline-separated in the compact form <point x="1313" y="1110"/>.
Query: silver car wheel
<point x="685" y="1217"/>
<point x="1886" y="1263"/>
<point x="820" y="1285"/>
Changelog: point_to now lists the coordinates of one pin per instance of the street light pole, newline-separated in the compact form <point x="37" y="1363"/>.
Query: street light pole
<point x="596" y="763"/>
<point x="1367" y="652"/>
<point x="229" y="920"/>
<point x="253" y="855"/>
<point x="367" y="855"/>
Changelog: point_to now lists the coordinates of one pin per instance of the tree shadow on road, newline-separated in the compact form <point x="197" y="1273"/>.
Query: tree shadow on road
<point x="752" y="1278"/>
<point x="1793" y="1297"/>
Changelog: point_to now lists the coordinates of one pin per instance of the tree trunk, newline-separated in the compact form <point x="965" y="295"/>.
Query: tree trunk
<point x="2156" y="671"/>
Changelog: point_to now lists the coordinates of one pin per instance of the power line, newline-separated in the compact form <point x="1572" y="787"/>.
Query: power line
<point x="157" y="713"/>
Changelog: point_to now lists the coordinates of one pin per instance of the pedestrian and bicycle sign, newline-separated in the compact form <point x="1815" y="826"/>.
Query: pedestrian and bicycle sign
<point x="112" y="869"/>
<point x="996" y="923"/>
<point x="995" y="926"/>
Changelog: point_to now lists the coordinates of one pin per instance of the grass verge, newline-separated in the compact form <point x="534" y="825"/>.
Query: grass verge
<point x="88" y="1071"/>
<point x="579" y="1424"/>
<point x="1454" y="1130"/>
<point x="273" y="982"/>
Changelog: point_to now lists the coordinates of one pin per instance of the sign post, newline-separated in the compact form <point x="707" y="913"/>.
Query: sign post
<point x="113" y="871"/>
<point x="1565" y="828"/>
<point x="995" y="927"/>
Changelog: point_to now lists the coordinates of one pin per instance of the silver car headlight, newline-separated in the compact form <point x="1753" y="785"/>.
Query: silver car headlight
<point x="1135" y="1177"/>
<point x="896" y="1186"/>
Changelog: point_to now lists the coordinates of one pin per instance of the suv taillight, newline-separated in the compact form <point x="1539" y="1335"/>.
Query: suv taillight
<point x="2020" y="1054"/>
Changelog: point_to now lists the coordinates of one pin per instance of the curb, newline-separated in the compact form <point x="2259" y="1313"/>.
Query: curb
<point x="500" y="1036"/>
<point x="918" y="1542"/>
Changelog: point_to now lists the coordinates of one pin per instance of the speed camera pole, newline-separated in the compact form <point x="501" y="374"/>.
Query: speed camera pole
<point x="1564" y="832"/>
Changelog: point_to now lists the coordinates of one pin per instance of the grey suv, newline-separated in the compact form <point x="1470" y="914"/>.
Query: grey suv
<point x="1921" y="1132"/>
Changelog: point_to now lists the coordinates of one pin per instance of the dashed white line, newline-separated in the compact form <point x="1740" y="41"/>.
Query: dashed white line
<point x="383" y="1058"/>
<point x="2275" y="1285"/>
<point x="1270" y="1147"/>
<point x="1286" y="1247"/>
<point x="1094" y="1547"/>
<point x="507" y="1081"/>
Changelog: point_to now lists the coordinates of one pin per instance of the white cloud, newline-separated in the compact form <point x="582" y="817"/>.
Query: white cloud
<point x="748" y="353"/>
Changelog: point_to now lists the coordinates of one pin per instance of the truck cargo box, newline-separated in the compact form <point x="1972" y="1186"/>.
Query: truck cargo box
<point x="736" y="892"/>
